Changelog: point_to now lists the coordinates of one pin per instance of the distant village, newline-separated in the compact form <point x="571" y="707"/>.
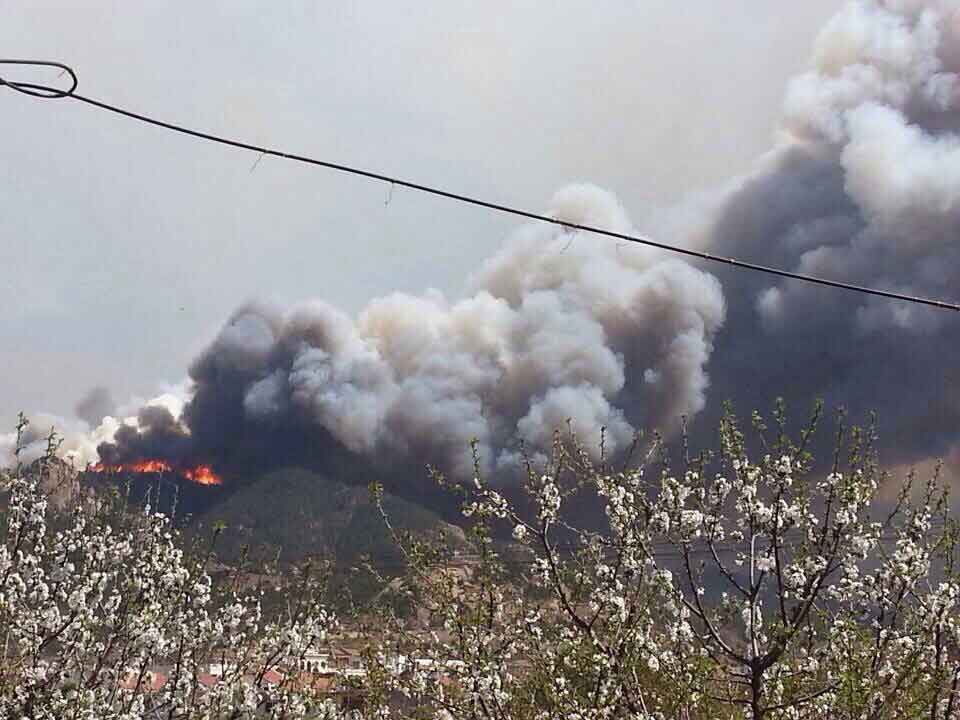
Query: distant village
<point x="333" y="673"/>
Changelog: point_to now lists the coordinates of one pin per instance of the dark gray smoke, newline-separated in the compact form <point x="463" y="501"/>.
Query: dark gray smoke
<point x="863" y="186"/>
<point x="157" y="435"/>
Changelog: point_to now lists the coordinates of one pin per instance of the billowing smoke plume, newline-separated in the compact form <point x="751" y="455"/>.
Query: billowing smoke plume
<point x="865" y="188"/>
<point x="862" y="186"/>
<point x="555" y="326"/>
<point x="80" y="439"/>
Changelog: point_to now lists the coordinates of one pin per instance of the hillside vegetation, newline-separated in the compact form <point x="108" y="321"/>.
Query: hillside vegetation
<point x="297" y="513"/>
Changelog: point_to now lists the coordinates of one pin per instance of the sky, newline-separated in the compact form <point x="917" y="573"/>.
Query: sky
<point x="124" y="248"/>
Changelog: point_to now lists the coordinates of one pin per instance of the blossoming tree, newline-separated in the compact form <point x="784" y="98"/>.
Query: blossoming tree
<point x="751" y="582"/>
<point x="91" y="602"/>
<point x="731" y="586"/>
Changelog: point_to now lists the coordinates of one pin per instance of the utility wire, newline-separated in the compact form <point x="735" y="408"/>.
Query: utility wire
<point x="51" y="93"/>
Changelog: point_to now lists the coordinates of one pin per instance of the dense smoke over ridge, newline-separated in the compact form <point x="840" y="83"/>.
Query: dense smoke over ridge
<point x="556" y="326"/>
<point x="863" y="185"/>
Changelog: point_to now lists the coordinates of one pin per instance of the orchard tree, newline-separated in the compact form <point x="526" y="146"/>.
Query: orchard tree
<point x="92" y="602"/>
<point x="735" y="584"/>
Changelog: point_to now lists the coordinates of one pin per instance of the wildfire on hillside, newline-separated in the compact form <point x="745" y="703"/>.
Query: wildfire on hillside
<point x="200" y="474"/>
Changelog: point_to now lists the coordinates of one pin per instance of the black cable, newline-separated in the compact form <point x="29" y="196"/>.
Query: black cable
<point x="41" y="91"/>
<point x="48" y="92"/>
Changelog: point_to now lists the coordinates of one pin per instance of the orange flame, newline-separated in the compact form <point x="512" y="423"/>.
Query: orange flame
<point x="204" y="475"/>
<point x="201" y="474"/>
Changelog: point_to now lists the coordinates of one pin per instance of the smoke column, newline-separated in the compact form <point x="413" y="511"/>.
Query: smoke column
<point x="863" y="186"/>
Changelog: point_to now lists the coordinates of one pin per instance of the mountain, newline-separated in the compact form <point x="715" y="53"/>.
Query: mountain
<point x="298" y="513"/>
<point x="284" y="515"/>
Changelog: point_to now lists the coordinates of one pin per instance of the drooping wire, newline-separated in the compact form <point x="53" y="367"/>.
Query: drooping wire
<point x="50" y="92"/>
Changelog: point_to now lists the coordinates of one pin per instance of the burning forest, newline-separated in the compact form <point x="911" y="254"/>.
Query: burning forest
<point x="200" y="474"/>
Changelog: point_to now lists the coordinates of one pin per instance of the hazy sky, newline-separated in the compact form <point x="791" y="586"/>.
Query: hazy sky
<point x="123" y="247"/>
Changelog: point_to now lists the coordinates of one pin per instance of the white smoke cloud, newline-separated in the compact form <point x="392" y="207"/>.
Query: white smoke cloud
<point x="899" y="175"/>
<point x="77" y="440"/>
<point x="873" y="52"/>
<point x="557" y="325"/>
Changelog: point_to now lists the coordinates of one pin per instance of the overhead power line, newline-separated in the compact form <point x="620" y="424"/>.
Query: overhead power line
<point x="49" y="92"/>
